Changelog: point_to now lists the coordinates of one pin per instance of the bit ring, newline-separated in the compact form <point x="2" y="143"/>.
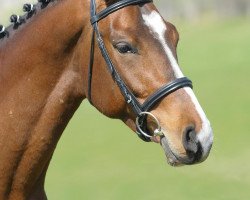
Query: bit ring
<point x="157" y="131"/>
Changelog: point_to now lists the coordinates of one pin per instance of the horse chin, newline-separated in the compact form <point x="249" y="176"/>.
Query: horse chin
<point x="172" y="159"/>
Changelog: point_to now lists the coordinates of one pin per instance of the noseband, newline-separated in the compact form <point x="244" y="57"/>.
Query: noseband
<point x="141" y="110"/>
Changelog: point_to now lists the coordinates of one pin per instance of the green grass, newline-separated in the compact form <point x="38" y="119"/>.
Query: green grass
<point x="99" y="158"/>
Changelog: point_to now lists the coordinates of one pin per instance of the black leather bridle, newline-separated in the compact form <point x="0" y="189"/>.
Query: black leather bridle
<point x="141" y="110"/>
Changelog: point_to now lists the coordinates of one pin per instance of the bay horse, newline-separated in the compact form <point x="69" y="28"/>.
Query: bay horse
<point x="121" y="57"/>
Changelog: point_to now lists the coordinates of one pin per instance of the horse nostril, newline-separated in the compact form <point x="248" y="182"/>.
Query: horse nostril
<point x="190" y="141"/>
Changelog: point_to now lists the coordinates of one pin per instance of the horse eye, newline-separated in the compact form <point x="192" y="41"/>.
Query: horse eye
<point x="124" y="47"/>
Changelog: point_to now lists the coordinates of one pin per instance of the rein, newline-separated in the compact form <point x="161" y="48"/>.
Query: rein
<point x="142" y="111"/>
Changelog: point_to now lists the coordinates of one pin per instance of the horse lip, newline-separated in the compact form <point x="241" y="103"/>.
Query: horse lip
<point x="172" y="158"/>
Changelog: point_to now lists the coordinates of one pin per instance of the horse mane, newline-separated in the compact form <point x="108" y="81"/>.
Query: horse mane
<point x="17" y="21"/>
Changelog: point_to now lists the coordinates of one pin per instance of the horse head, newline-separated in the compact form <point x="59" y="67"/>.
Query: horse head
<point x="142" y="47"/>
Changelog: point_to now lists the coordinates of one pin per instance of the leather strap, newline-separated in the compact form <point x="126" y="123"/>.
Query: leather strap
<point x="114" y="7"/>
<point x="128" y="95"/>
<point x="91" y="63"/>
<point x="165" y="91"/>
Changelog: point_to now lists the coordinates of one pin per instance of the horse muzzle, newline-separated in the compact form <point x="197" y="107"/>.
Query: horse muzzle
<point x="197" y="148"/>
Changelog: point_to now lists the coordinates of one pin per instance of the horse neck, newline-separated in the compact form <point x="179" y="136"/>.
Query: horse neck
<point x="37" y="55"/>
<point x="40" y="89"/>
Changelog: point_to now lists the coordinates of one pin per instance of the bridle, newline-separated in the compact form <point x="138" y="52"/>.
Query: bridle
<point x="141" y="110"/>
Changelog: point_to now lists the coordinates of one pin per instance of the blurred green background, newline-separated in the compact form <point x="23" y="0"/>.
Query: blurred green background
<point x="99" y="158"/>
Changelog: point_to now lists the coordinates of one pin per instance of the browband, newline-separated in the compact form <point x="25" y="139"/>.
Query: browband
<point x="114" y="7"/>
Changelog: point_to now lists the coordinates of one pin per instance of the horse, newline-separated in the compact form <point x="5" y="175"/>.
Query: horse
<point x="119" y="55"/>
